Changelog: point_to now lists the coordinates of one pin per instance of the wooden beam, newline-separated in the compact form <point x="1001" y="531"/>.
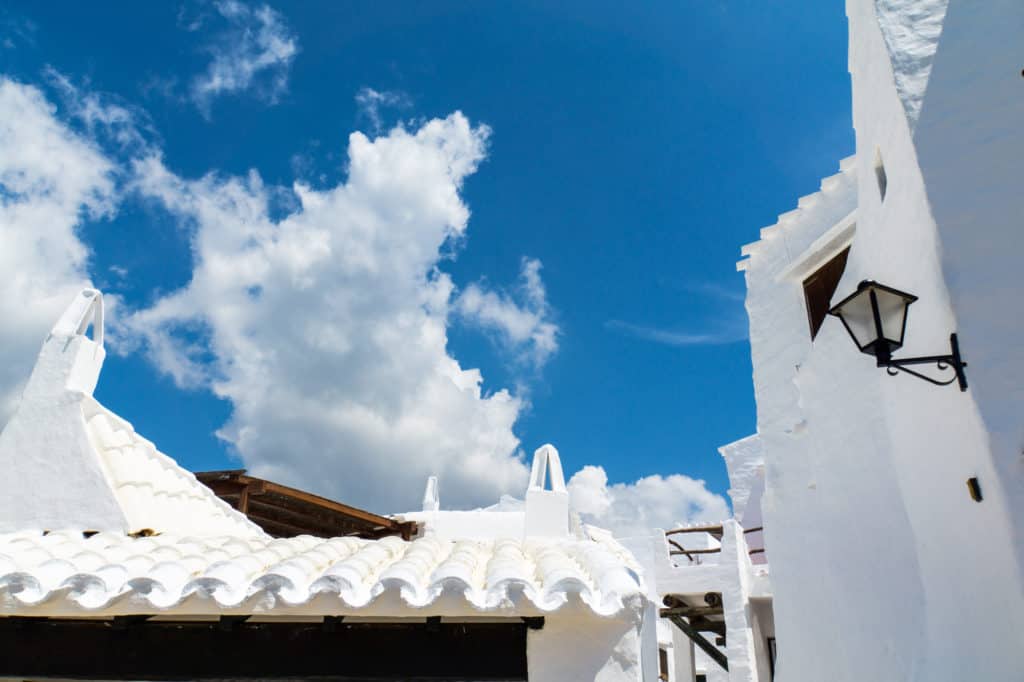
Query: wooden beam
<point x="323" y="502"/>
<point x="277" y="528"/>
<point x="208" y="477"/>
<point x="692" y="611"/>
<point x="708" y="625"/>
<point x="165" y="650"/>
<point x="707" y="647"/>
<point x="319" y="515"/>
<point x="265" y="507"/>
<point x="534" y="622"/>
<point x="715" y="531"/>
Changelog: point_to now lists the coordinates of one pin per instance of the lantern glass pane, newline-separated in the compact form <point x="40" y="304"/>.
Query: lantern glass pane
<point x="859" y="319"/>
<point x="892" y="308"/>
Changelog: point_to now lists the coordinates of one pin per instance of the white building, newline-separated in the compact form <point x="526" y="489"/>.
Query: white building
<point x="886" y="564"/>
<point x="714" y="584"/>
<point x="116" y="563"/>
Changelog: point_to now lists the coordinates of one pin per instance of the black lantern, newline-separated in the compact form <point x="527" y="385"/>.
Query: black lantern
<point x="876" y="318"/>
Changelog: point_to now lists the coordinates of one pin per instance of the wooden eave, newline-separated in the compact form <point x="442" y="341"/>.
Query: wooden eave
<point x="283" y="511"/>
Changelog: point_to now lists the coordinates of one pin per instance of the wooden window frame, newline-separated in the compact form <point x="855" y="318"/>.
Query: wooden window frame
<point x="820" y="286"/>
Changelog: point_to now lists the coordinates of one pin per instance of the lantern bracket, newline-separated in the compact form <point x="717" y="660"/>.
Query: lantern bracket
<point x="952" y="361"/>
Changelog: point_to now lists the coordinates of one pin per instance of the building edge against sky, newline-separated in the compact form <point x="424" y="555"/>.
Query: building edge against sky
<point x="883" y="565"/>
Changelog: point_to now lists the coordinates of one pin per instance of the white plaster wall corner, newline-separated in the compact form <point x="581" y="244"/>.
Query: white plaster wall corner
<point x="547" y="510"/>
<point x="740" y="647"/>
<point x="54" y="478"/>
<point x="649" y="655"/>
<point x="880" y="462"/>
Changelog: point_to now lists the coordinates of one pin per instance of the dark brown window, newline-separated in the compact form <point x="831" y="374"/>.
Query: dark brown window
<point x="883" y="179"/>
<point x="819" y="287"/>
<point x="663" y="664"/>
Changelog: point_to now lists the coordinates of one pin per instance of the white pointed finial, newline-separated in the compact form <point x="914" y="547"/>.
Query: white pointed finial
<point x="431" y="496"/>
<point x="53" y="477"/>
<point x="547" y="511"/>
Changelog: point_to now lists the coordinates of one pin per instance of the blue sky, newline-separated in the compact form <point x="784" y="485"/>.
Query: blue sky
<point x="630" y="153"/>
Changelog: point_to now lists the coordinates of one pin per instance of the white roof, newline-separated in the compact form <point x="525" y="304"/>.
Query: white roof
<point x="153" y="491"/>
<point x="65" y="574"/>
<point x="81" y="485"/>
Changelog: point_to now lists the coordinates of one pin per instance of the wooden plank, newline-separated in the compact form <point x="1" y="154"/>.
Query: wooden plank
<point x="94" y="649"/>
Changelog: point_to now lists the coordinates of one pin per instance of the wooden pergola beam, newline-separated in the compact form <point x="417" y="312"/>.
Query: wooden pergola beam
<point x="298" y="509"/>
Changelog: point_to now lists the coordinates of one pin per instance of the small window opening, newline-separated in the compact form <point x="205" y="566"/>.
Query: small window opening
<point x="974" y="488"/>
<point x="663" y="664"/>
<point x="819" y="288"/>
<point x="883" y="180"/>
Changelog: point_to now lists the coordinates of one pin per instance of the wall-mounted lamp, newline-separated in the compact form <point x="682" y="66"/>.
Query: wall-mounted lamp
<point x="876" y="317"/>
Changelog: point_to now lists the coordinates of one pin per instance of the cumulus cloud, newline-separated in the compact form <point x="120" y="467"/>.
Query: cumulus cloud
<point x="51" y="179"/>
<point x="371" y="101"/>
<point x="327" y="329"/>
<point x="524" y="325"/>
<point x="254" y="54"/>
<point x="630" y="509"/>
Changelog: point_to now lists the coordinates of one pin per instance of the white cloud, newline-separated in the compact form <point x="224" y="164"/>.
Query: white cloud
<point x="327" y="330"/>
<point x="51" y="178"/>
<point x="16" y="30"/>
<point x="254" y="53"/>
<point x="669" y="337"/>
<point x="525" y="328"/>
<point x="656" y="501"/>
<point x="371" y="101"/>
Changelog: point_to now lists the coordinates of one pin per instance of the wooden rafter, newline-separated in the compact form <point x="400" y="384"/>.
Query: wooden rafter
<point x="284" y="511"/>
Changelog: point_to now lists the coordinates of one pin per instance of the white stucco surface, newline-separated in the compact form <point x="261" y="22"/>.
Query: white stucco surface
<point x="969" y="144"/>
<point x="878" y="553"/>
<point x="744" y="460"/>
<point x="72" y="464"/>
<point x="575" y="649"/>
<point x="911" y="30"/>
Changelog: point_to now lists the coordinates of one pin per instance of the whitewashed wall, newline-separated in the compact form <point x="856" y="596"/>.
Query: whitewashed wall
<point x="882" y="565"/>
<point x="970" y="142"/>
<point x="587" y="649"/>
